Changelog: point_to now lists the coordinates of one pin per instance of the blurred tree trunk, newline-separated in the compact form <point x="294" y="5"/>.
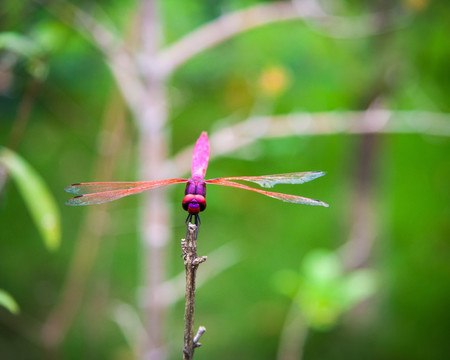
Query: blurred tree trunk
<point x="155" y="222"/>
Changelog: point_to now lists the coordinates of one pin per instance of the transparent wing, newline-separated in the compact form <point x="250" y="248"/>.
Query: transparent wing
<point x="269" y="181"/>
<point x="101" y="192"/>
<point x="99" y="198"/>
<point x="94" y="187"/>
<point x="279" y="196"/>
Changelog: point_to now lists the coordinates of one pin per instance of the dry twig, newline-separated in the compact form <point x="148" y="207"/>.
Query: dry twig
<point x="191" y="262"/>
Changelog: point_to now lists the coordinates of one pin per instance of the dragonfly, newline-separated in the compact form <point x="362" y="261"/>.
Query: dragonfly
<point x="194" y="200"/>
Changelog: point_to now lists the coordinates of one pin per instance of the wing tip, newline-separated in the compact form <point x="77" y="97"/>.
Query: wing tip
<point x="315" y="202"/>
<point x="72" y="201"/>
<point x="319" y="173"/>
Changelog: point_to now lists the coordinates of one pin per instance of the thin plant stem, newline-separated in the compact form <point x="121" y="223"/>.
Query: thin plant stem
<point x="293" y="335"/>
<point x="191" y="263"/>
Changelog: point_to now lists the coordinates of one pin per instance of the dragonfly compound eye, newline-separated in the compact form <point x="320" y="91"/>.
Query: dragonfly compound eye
<point x="201" y="202"/>
<point x="194" y="204"/>
<point x="187" y="200"/>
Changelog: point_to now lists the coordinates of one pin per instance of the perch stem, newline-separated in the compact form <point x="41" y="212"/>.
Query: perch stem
<point x="191" y="262"/>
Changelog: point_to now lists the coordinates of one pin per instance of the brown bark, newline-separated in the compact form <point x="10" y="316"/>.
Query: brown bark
<point x="191" y="262"/>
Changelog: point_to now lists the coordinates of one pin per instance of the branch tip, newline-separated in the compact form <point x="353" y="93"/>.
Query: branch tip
<point x="199" y="260"/>
<point x="201" y="330"/>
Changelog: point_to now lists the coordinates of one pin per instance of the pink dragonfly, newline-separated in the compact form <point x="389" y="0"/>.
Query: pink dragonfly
<point x="194" y="200"/>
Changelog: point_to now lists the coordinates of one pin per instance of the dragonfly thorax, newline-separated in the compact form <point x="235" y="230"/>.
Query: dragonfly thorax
<point x="194" y="199"/>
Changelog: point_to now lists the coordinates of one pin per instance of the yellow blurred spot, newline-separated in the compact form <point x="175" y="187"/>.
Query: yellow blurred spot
<point x="274" y="80"/>
<point x="416" y="5"/>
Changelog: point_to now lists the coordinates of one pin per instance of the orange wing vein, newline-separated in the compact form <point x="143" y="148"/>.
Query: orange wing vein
<point x="279" y="196"/>
<point x="101" y="192"/>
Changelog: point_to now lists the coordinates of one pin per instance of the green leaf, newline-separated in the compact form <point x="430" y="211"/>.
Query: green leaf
<point x="19" y="44"/>
<point x="326" y="291"/>
<point x="8" y="302"/>
<point x="37" y="196"/>
<point x="358" y="285"/>
<point x="321" y="267"/>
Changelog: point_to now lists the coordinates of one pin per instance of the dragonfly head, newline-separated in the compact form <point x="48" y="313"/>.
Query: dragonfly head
<point x="194" y="200"/>
<point x="193" y="204"/>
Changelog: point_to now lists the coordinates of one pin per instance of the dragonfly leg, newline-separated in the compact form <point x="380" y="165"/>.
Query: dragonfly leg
<point x="197" y="221"/>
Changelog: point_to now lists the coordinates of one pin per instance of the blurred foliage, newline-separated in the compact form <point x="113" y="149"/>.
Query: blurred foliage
<point x="325" y="291"/>
<point x="8" y="302"/>
<point x="37" y="196"/>
<point x="19" y="44"/>
<point x="29" y="49"/>
<point x="276" y="69"/>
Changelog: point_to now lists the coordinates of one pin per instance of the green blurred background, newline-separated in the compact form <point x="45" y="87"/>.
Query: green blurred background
<point x="368" y="277"/>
